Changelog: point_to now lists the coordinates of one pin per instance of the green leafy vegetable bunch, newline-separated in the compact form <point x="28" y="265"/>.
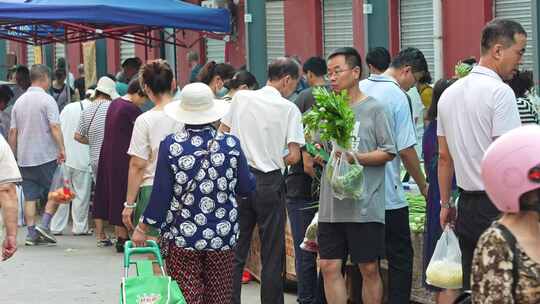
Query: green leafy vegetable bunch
<point x="331" y="117"/>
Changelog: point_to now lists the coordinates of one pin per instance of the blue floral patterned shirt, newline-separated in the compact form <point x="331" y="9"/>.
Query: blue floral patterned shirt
<point x="193" y="200"/>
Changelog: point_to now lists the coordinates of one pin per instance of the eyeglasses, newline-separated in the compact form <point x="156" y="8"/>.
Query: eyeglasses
<point x="534" y="174"/>
<point x="336" y="72"/>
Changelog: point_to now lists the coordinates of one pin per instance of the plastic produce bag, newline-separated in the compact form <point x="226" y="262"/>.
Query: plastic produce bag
<point x="61" y="190"/>
<point x="310" y="240"/>
<point x="346" y="179"/>
<point x="20" y="198"/>
<point x="444" y="269"/>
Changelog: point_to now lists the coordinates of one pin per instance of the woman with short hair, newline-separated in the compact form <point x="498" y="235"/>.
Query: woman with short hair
<point x="91" y="131"/>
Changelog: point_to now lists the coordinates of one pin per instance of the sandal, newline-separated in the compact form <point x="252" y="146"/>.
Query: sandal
<point x="120" y="244"/>
<point x="104" y="243"/>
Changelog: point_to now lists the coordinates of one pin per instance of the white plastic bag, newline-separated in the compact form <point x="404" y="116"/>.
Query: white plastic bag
<point x="61" y="190"/>
<point x="346" y="179"/>
<point x="20" y="199"/>
<point x="310" y="242"/>
<point x="444" y="269"/>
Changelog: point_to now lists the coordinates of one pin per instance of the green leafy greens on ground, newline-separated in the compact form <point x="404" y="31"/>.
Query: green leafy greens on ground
<point x="417" y="212"/>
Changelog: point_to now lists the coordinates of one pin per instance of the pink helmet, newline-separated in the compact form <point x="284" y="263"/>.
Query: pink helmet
<point x="511" y="167"/>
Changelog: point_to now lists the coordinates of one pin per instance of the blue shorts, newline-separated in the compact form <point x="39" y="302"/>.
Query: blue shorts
<point x="37" y="180"/>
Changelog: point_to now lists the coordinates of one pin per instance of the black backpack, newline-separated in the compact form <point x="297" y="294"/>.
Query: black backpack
<point x="466" y="298"/>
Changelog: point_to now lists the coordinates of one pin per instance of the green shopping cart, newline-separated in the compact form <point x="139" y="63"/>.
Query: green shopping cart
<point x="146" y="287"/>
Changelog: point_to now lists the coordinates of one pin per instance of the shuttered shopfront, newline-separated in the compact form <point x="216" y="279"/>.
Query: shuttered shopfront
<point x="127" y="50"/>
<point x="522" y="12"/>
<point x="59" y="51"/>
<point x="416" y="28"/>
<point x="30" y="59"/>
<point x="215" y="50"/>
<point x="337" y="24"/>
<point x="275" y="30"/>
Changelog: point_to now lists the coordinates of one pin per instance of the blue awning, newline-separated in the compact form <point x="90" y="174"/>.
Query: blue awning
<point x="150" y="13"/>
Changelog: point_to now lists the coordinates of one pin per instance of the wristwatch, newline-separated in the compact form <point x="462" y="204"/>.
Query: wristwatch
<point x="448" y="205"/>
<point x="128" y="205"/>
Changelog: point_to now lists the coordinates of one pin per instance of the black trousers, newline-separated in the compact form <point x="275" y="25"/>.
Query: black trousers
<point x="266" y="208"/>
<point x="476" y="212"/>
<point x="400" y="255"/>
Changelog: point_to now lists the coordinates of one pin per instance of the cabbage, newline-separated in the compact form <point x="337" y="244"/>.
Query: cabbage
<point x="444" y="274"/>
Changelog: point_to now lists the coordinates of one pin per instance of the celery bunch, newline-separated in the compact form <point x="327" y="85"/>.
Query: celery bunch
<point x="331" y="117"/>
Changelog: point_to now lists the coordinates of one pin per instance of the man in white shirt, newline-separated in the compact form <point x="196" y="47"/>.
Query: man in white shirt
<point x="271" y="133"/>
<point x="9" y="175"/>
<point x="471" y="114"/>
<point x="78" y="170"/>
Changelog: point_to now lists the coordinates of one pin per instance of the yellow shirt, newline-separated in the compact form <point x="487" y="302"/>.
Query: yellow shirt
<point x="426" y="93"/>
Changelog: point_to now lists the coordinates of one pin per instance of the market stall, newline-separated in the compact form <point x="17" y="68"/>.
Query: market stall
<point x="42" y="22"/>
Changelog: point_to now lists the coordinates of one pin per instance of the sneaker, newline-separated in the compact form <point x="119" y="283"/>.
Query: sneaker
<point x="29" y="241"/>
<point x="104" y="243"/>
<point x="57" y="233"/>
<point x="46" y="234"/>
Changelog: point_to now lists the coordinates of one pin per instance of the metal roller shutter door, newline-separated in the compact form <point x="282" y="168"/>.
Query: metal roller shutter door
<point x="59" y="51"/>
<point x="127" y="50"/>
<point x="337" y="24"/>
<point x="416" y="28"/>
<point x="30" y="55"/>
<point x="215" y="50"/>
<point x="275" y="30"/>
<point x="520" y="11"/>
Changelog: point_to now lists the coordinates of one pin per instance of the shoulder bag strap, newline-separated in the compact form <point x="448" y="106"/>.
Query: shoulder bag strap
<point x="93" y="116"/>
<point x="511" y="240"/>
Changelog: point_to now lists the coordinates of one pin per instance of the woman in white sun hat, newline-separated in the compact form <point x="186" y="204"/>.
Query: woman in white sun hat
<point x="91" y="131"/>
<point x="198" y="175"/>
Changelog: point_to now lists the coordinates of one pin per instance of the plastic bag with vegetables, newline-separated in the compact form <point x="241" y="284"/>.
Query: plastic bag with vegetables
<point x="444" y="269"/>
<point x="310" y="240"/>
<point x="61" y="190"/>
<point x="346" y="178"/>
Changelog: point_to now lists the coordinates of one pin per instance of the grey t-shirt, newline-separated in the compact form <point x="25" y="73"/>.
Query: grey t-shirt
<point x="372" y="132"/>
<point x="32" y="115"/>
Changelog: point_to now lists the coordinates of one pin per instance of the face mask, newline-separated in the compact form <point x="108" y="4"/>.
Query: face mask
<point x="222" y="92"/>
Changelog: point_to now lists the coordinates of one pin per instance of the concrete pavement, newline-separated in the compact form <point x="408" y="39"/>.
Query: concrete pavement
<point x="74" y="271"/>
